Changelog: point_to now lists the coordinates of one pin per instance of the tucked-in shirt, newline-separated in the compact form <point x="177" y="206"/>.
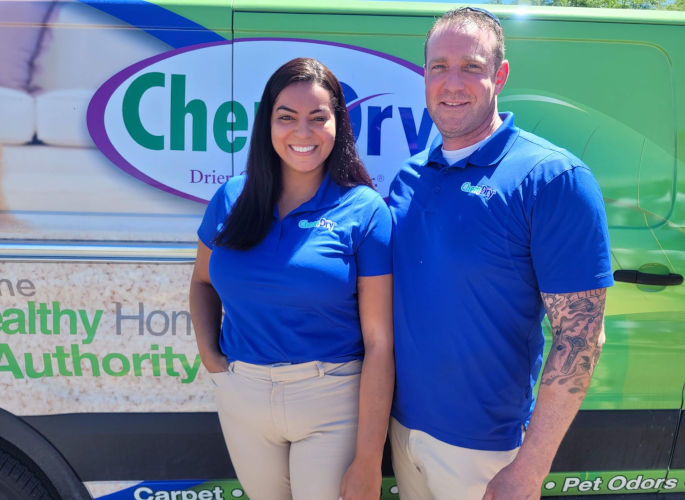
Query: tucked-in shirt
<point x="293" y="297"/>
<point x="474" y="245"/>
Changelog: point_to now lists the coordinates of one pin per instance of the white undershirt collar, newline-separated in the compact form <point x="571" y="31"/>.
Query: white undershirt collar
<point x="455" y="155"/>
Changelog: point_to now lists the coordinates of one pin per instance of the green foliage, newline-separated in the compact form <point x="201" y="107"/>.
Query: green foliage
<point x="610" y="4"/>
<point x="677" y="5"/>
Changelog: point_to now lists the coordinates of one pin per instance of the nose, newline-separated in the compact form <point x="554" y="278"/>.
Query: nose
<point x="302" y="128"/>
<point x="453" y="80"/>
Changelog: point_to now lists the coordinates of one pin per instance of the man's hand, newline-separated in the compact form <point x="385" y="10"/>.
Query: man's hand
<point x="361" y="482"/>
<point x="514" y="483"/>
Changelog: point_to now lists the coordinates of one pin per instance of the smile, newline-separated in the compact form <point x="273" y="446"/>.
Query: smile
<point x="302" y="149"/>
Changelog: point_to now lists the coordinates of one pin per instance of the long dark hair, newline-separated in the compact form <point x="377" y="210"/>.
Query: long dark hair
<point x="251" y="216"/>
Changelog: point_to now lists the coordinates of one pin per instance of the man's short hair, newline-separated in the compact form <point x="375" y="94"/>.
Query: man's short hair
<point x="475" y="15"/>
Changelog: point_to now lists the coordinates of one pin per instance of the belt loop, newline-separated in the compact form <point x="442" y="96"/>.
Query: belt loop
<point x="231" y="367"/>
<point x="322" y="372"/>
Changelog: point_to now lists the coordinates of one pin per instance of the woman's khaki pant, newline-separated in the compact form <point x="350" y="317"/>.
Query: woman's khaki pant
<point x="290" y="430"/>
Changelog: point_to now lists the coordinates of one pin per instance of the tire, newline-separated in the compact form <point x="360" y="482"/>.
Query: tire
<point x="18" y="482"/>
<point x="31" y="468"/>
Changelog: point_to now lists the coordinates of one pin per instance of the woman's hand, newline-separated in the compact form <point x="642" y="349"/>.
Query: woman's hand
<point x="215" y="363"/>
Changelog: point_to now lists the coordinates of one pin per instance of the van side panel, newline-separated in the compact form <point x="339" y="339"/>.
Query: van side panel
<point x="121" y="119"/>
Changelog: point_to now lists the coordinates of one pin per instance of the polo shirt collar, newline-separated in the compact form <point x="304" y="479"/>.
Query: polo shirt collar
<point x="490" y="152"/>
<point x="328" y="195"/>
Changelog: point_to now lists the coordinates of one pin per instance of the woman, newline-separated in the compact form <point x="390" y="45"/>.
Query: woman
<point x="297" y="252"/>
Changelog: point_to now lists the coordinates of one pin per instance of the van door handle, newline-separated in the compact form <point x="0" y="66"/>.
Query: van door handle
<point x="634" y="276"/>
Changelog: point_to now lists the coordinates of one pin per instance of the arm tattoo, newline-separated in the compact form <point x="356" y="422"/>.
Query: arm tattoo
<point x="577" y="323"/>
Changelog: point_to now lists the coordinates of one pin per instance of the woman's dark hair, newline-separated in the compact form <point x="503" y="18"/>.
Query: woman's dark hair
<point x="251" y="216"/>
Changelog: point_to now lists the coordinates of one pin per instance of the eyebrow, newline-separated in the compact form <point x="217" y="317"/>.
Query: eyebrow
<point x="476" y="58"/>
<point x="436" y="60"/>
<point x="290" y="110"/>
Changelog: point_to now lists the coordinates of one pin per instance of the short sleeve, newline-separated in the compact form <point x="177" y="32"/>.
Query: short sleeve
<point x="214" y="217"/>
<point x="569" y="234"/>
<point x="374" y="253"/>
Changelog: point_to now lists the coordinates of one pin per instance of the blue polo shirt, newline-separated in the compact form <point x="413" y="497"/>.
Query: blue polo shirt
<point x="293" y="297"/>
<point x="474" y="245"/>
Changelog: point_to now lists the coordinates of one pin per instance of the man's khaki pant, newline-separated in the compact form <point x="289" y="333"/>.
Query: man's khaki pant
<point x="429" y="469"/>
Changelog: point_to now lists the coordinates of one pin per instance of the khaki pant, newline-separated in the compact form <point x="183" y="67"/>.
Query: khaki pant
<point x="290" y="430"/>
<point x="429" y="469"/>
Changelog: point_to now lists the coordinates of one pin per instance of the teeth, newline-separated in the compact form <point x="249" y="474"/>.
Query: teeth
<point x="303" y="149"/>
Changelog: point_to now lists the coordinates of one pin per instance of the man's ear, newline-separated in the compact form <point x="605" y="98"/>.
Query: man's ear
<point x="501" y="76"/>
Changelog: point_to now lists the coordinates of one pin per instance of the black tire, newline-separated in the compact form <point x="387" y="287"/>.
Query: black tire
<point x="18" y="482"/>
<point x="31" y="467"/>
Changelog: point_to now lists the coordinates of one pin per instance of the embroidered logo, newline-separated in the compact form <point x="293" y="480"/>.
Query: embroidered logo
<point x="485" y="191"/>
<point x="325" y="224"/>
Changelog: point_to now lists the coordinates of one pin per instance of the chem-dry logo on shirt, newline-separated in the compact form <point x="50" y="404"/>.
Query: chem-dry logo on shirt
<point x="181" y="120"/>
<point x="321" y="223"/>
<point x="485" y="191"/>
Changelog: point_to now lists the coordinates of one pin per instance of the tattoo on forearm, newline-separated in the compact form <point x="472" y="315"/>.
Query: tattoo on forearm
<point x="577" y="344"/>
<point x="576" y="320"/>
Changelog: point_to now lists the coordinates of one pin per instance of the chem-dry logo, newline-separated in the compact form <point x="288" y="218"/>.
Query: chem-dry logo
<point x="181" y="121"/>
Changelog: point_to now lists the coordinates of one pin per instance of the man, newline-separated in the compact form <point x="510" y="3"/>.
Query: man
<point x="493" y="227"/>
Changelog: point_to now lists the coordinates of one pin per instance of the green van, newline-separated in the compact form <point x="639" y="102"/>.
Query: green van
<point x="120" y="118"/>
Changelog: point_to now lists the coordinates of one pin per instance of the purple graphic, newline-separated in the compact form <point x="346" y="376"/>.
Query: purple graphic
<point x="98" y="104"/>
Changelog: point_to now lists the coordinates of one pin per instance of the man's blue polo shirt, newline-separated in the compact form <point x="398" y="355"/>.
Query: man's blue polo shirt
<point x="293" y="297"/>
<point x="474" y="245"/>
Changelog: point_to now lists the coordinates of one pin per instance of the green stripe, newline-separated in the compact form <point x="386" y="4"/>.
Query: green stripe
<point x="231" y="488"/>
<point x="639" y="16"/>
<point x="556" y="484"/>
<point x="615" y="482"/>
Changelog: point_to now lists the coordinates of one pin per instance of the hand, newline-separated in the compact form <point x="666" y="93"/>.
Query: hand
<point x="361" y="482"/>
<point x="514" y="482"/>
<point x="215" y="363"/>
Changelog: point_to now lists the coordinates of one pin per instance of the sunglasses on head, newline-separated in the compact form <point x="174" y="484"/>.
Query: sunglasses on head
<point x="486" y="12"/>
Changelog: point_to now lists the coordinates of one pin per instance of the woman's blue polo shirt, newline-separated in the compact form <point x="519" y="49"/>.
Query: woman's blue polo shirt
<point x="293" y="297"/>
<point x="475" y="244"/>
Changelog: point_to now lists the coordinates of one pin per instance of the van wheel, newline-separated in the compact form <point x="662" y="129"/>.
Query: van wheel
<point x="18" y="481"/>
